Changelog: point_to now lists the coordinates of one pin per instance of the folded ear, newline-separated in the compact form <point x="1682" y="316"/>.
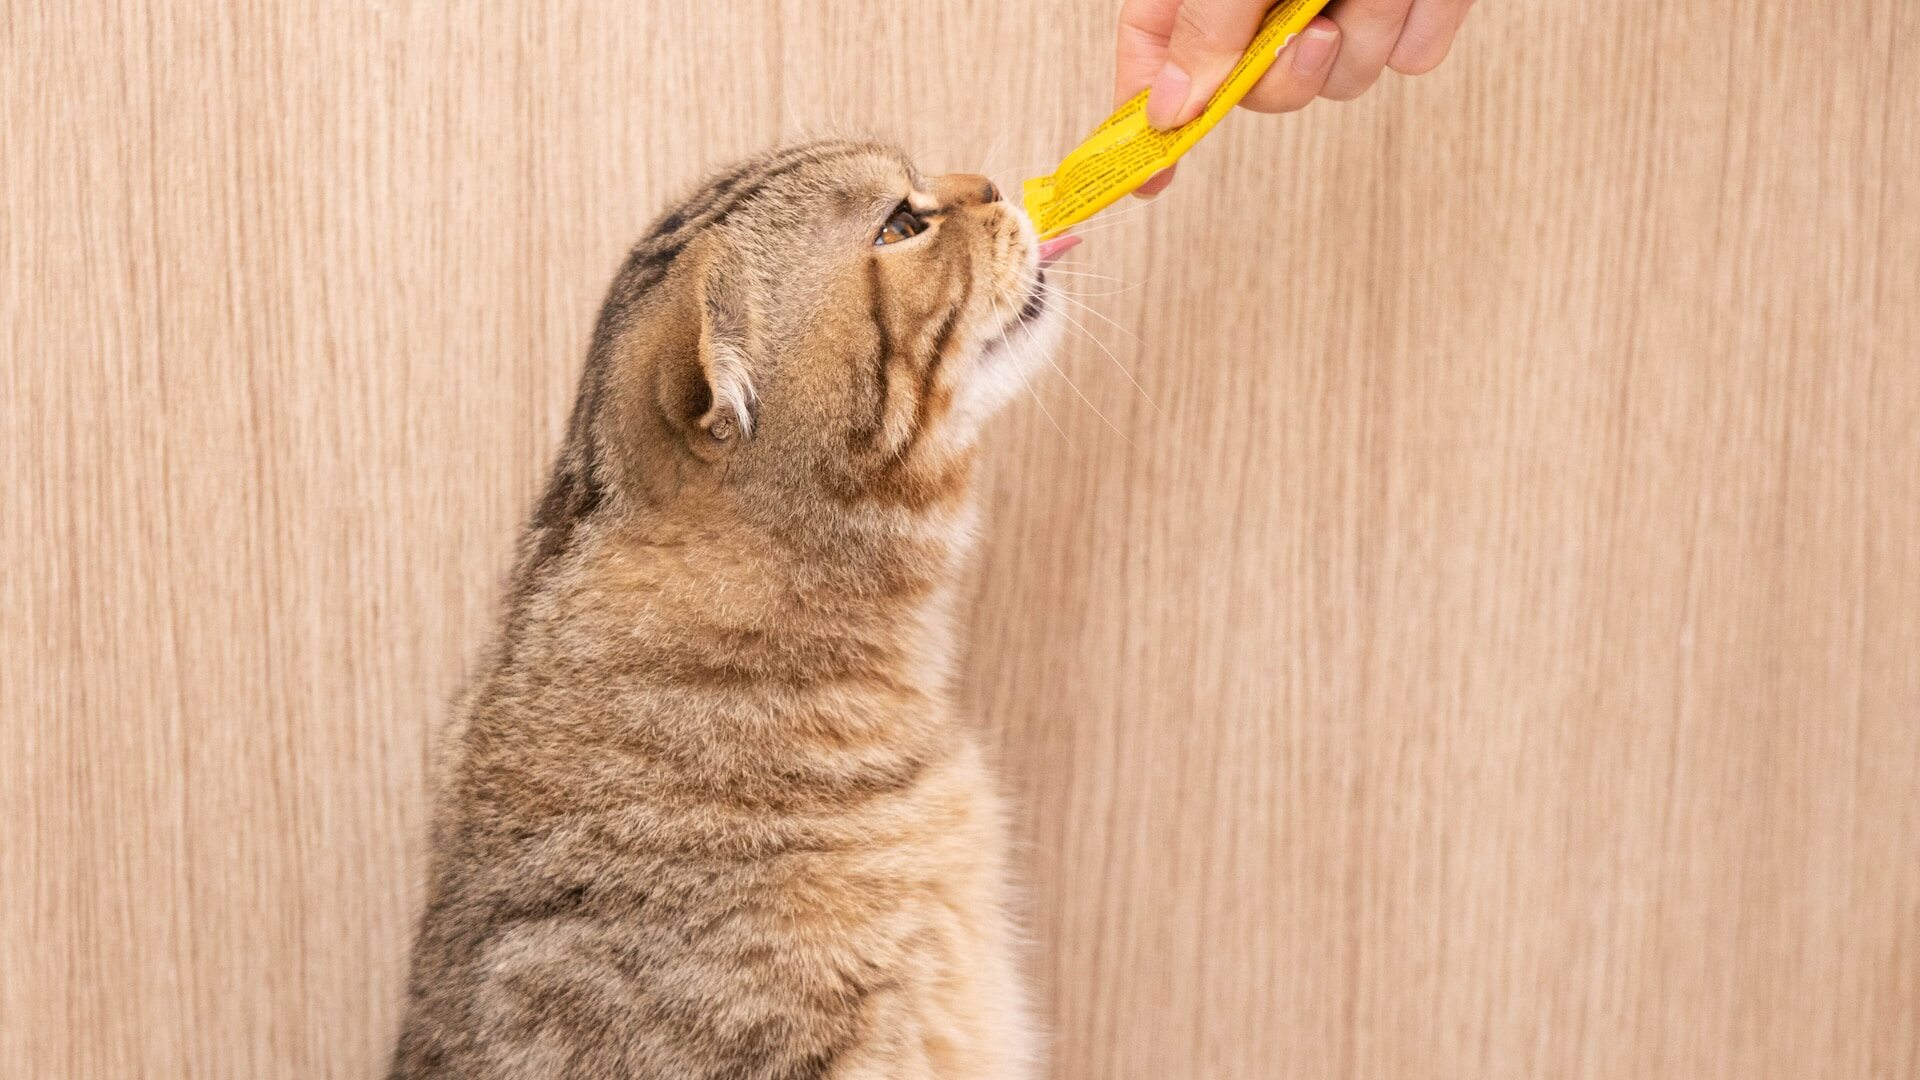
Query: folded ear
<point x="669" y="375"/>
<point x="697" y="340"/>
<point x="726" y="333"/>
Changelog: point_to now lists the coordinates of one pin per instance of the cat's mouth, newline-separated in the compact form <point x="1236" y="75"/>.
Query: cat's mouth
<point x="1049" y="252"/>
<point x="1036" y="300"/>
<point x="1022" y="321"/>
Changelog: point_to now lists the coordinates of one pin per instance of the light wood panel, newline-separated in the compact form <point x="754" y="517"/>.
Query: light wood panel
<point x="1486" y="645"/>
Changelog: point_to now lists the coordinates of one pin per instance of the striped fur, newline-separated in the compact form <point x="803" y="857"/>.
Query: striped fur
<point x="706" y="811"/>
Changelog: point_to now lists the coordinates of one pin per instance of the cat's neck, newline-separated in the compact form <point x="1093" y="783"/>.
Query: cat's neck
<point x="791" y="601"/>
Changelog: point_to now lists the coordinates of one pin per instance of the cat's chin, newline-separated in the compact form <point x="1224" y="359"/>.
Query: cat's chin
<point x="1008" y="360"/>
<point x="1021" y="345"/>
<point x="1029" y="337"/>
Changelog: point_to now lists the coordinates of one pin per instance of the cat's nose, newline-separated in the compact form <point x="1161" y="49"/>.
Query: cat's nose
<point x="965" y="189"/>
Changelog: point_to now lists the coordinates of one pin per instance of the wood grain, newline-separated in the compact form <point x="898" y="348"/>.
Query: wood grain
<point x="1486" y="644"/>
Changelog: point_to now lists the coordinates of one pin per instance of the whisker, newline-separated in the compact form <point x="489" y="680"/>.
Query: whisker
<point x="1089" y="309"/>
<point x="1106" y="219"/>
<point x="993" y="153"/>
<point x="1052" y="270"/>
<point x="1098" y="295"/>
<point x="1116" y="361"/>
<point x="786" y="106"/>
<point x="1098" y="225"/>
<point x="1032" y="341"/>
<point x="1076" y="389"/>
<point x="1140" y="206"/>
<point x="833" y="116"/>
<point x="999" y="321"/>
<point x="1105" y="288"/>
<point x="1090" y="404"/>
<point x="1045" y="412"/>
<point x="1027" y="384"/>
<point x="1122" y="216"/>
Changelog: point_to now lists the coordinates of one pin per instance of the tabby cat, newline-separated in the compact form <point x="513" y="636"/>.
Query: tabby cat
<point x="707" y="811"/>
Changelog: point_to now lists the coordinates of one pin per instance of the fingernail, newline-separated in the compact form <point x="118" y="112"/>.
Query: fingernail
<point x="1156" y="178"/>
<point x="1168" y="98"/>
<point x="1313" y="49"/>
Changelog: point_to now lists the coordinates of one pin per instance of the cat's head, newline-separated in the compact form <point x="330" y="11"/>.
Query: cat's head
<point x="823" y="325"/>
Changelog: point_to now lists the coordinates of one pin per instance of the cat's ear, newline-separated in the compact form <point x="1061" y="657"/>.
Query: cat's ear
<point x="670" y="374"/>
<point x="726" y="341"/>
<point x="703" y="375"/>
<point x="702" y="340"/>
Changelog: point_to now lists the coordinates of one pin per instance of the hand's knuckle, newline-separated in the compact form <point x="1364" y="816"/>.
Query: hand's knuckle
<point x="1203" y="32"/>
<point x="1381" y="12"/>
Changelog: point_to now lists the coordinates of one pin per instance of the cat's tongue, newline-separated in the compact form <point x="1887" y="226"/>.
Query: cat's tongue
<point x="1051" y="250"/>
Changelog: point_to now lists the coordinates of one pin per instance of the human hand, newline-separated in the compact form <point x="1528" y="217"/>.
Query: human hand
<point x="1183" y="50"/>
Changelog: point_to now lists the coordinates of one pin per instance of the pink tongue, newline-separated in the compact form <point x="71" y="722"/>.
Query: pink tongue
<point x="1051" y="250"/>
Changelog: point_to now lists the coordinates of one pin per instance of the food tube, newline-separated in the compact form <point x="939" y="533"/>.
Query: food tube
<point x="1125" y="151"/>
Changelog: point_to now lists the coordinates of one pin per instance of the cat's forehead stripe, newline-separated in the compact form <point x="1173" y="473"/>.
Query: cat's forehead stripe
<point x="727" y="195"/>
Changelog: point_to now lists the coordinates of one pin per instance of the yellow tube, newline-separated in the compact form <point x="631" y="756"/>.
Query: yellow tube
<point x="1125" y="151"/>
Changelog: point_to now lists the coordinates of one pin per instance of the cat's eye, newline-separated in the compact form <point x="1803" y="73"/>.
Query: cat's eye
<point x="903" y="224"/>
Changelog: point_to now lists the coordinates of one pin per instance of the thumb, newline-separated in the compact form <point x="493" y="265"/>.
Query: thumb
<point x="1145" y="28"/>
<point x="1207" y="39"/>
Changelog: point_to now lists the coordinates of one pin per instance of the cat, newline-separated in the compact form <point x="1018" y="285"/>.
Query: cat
<point x="706" y="811"/>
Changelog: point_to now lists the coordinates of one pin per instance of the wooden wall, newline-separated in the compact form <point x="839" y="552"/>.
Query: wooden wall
<point x="1486" y="644"/>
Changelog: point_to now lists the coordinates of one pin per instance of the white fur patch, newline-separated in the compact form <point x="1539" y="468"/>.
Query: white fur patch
<point x="733" y="392"/>
<point x="1003" y="367"/>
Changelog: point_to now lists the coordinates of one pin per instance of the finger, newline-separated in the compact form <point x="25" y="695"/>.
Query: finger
<point x="1427" y="36"/>
<point x="1369" y="29"/>
<point x="1141" y="47"/>
<point x="1207" y="40"/>
<point x="1155" y="184"/>
<point x="1301" y="70"/>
